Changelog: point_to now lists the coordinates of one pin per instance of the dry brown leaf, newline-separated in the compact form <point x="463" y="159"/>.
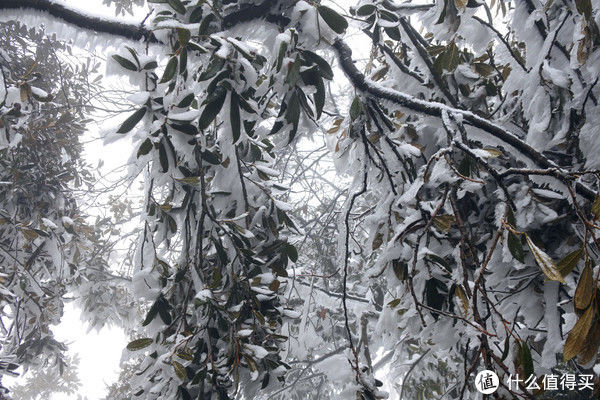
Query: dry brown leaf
<point x="585" y="289"/>
<point x="576" y="341"/>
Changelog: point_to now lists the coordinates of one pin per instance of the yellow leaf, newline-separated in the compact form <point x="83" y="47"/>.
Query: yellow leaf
<point x="374" y="137"/>
<point x="190" y="180"/>
<point x="463" y="298"/>
<point x="336" y="125"/>
<point x="30" y="234"/>
<point x="569" y="262"/>
<point x="544" y="261"/>
<point x="443" y="222"/>
<point x="596" y="207"/>
<point x="185" y="355"/>
<point x="585" y="289"/>
<point x="460" y="4"/>
<point x="25" y="91"/>
<point x="576" y="341"/>
<point x="591" y="344"/>
<point x="274" y="286"/>
<point x="493" y="152"/>
<point x="139" y="344"/>
<point x="378" y="241"/>
<point x="179" y="370"/>
<point x="398" y="114"/>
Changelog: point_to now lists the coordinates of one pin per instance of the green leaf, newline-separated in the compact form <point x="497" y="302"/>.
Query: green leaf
<point x="333" y="19"/>
<point x="388" y="16"/>
<point x="291" y="252"/>
<point x="293" y="74"/>
<point x="245" y="105"/>
<point x="281" y="55"/>
<point x="452" y="57"/>
<point x="134" y="55"/>
<point x="393" y="32"/>
<point x="292" y="112"/>
<point x="169" y="70"/>
<point x="265" y="381"/>
<point x="132" y="120"/>
<point x="447" y="60"/>
<point x="400" y="269"/>
<point x="145" y="148"/>
<point x="150" y="65"/>
<point x="139" y="344"/>
<point x="162" y="156"/>
<point x="355" y="108"/>
<point x="177" y="5"/>
<point x="516" y="247"/>
<point x="366" y="9"/>
<point x="526" y="360"/>
<point x="483" y="69"/>
<point x="319" y="97"/>
<point x="234" y="113"/>
<point x="212" y="109"/>
<point x="439" y="260"/>
<point x="183" y="61"/>
<point x="196" y="15"/>
<point x="186" y="101"/>
<point x="152" y="313"/>
<point x="443" y="13"/>
<point x="125" y="63"/>
<point x="205" y="24"/>
<point x="324" y="67"/>
<point x="214" y="66"/>
<point x="185" y="355"/>
<point x="163" y="311"/>
<point x="188" y="129"/>
<point x="183" y="36"/>
<point x="210" y="157"/>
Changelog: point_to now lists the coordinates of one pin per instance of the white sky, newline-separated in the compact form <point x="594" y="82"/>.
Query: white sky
<point x="99" y="351"/>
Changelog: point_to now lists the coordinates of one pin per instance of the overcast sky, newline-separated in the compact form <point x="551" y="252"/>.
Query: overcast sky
<point x="99" y="352"/>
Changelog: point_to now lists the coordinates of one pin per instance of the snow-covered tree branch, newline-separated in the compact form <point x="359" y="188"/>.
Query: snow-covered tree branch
<point x="453" y="230"/>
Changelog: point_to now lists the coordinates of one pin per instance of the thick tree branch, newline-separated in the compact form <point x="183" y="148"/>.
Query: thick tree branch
<point x="87" y="22"/>
<point x="406" y="7"/>
<point x="345" y="58"/>
<point x="435" y="109"/>
<point x="250" y="12"/>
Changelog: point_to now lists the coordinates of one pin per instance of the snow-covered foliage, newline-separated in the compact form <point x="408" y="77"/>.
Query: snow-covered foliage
<point x="49" y="250"/>
<point x="467" y="237"/>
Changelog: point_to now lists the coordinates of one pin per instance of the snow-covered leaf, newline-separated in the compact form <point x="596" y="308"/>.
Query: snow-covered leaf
<point x="544" y="261"/>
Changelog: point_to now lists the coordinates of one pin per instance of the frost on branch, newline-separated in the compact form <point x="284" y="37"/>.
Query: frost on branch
<point x="467" y="239"/>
